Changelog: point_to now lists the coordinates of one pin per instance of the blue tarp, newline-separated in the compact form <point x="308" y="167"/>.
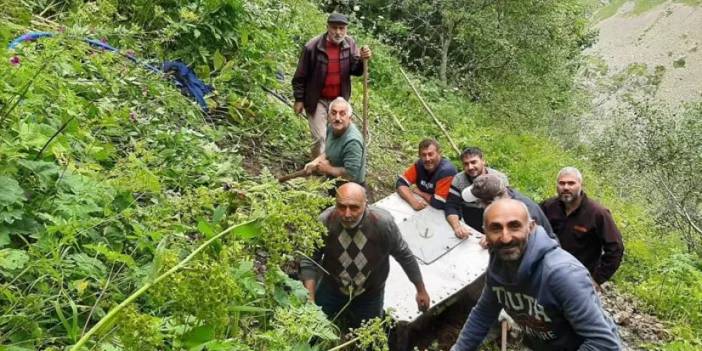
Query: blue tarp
<point x="184" y="77"/>
<point x="189" y="81"/>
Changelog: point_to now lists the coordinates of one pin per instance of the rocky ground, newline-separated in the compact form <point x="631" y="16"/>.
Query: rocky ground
<point x="638" y="329"/>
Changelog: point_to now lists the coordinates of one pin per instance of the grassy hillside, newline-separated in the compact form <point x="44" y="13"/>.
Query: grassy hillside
<point x="110" y="178"/>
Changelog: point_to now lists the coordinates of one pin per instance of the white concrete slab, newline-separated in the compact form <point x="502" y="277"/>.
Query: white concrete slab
<point x="447" y="263"/>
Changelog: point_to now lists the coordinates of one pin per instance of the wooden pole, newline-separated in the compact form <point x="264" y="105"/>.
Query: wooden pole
<point x="366" y="137"/>
<point x="426" y="107"/>
<point x="296" y="174"/>
<point x="503" y="344"/>
<point x="394" y="118"/>
<point x="365" y="104"/>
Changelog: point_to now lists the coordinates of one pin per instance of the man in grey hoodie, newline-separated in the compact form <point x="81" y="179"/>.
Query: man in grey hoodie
<point x="542" y="287"/>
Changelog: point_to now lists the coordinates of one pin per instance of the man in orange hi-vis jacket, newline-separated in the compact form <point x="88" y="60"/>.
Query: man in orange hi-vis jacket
<point x="431" y="175"/>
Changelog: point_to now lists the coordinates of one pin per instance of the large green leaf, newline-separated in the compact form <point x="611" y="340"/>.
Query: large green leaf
<point x="46" y="172"/>
<point x="10" y="215"/>
<point x="87" y="266"/>
<point x="4" y="237"/>
<point x="248" y="231"/>
<point x="10" y="192"/>
<point x="23" y="225"/>
<point x="219" y="213"/>
<point x="12" y="259"/>
<point x="218" y="60"/>
<point x="205" y="228"/>
<point x="195" y="339"/>
<point x="111" y="255"/>
<point x="34" y="135"/>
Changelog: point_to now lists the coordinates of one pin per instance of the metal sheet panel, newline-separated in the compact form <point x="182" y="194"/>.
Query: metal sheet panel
<point x="427" y="232"/>
<point x="447" y="263"/>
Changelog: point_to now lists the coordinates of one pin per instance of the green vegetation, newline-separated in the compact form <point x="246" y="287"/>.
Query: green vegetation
<point x="608" y="10"/>
<point x="679" y="63"/>
<point x="661" y="156"/>
<point x="516" y="57"/>
<point x="110" y="178"/>
<point x="639" y="7"/>
<point x="642" y="6"/>
<point x="652" y="153"/>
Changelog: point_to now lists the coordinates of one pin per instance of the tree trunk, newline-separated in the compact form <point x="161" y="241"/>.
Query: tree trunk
<point x="445" y="45"/>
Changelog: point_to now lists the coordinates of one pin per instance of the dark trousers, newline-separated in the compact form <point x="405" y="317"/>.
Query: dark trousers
<point x="361" y="308"/>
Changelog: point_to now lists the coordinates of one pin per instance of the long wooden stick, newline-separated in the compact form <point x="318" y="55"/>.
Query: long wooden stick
<point x="505" y="326"/>
<point x="365" y="104"/>
<point x="397" y="121"/>
<point x="426" y="107"/>
<point x="296" y="174"/>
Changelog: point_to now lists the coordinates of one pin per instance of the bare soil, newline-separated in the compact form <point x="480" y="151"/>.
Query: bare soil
<point x="653" y="57"/>
<point x="636" y="327"/>
<point x="669" y="35"/>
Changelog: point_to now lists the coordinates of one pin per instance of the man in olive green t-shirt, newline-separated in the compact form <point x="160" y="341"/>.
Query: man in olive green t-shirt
<point x="343" y="152"/>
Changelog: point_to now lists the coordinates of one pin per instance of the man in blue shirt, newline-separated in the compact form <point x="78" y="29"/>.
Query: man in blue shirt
<point x="431" y="175"/>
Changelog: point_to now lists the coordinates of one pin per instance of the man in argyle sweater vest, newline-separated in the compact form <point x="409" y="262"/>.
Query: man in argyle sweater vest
<point x="355" y="259"/>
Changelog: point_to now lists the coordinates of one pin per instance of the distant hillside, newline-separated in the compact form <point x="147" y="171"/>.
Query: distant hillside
<point x="647" y="52"/>
<point x="666" y="37"/>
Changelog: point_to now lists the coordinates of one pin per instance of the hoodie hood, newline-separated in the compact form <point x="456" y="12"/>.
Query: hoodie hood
<point x="538" y="245"/>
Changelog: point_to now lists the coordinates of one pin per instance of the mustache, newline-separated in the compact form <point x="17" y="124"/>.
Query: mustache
<point x="498" y="247"/>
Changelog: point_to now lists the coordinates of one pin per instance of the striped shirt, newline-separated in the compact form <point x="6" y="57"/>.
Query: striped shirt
<point x="436" y="183"/>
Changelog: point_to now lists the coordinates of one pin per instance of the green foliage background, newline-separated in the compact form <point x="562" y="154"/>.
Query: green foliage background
<point x="109" y="177"/>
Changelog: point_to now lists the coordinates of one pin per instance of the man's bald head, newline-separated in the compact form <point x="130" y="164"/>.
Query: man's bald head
<point x="351" y="190"/>
<point x="350" y="204"/>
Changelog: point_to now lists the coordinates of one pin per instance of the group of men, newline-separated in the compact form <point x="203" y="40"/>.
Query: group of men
<point x="546" y="261"/>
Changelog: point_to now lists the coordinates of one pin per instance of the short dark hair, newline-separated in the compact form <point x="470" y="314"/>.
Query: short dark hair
<point x="472" y="151"/>
<point x="429" y="142"/>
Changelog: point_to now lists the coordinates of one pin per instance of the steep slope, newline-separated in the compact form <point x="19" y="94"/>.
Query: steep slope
<point x="642" y="77"/>
<point x="668" y="35"/>
<point x="645" y="52"/>
<point x="138" y="178"/>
